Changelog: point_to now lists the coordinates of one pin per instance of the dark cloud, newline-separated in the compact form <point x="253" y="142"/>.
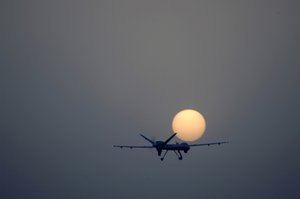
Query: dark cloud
<point x="78" y="77"/>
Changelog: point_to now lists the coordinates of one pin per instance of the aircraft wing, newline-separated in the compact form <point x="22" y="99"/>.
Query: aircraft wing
<point x="133" y="147"/>
<point x="208" y="144"/>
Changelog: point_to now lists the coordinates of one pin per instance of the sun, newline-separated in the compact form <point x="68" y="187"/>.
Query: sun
<point x="189" y="125"/>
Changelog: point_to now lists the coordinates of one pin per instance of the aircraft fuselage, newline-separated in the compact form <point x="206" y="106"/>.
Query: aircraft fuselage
<point x="178" y="147"/>
<point x="160" y="146"/>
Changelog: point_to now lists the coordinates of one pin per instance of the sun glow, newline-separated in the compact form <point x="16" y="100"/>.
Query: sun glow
<point x="189" y="125"/>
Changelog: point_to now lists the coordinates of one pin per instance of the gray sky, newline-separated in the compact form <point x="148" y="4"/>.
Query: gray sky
<point x="80" y="76"/>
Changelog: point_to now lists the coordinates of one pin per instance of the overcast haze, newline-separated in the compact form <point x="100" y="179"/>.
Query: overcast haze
<point x="80" y="76"/>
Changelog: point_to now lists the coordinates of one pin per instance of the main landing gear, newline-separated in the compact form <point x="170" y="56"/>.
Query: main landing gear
<point x="162" y="158"/>
<point x="178" y="154"/>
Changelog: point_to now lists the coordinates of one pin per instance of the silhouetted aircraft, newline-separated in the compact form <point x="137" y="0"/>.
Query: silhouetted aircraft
<point x="163" y="145"/>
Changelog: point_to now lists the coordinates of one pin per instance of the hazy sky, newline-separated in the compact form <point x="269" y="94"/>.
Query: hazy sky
<point x="80" y="76"/>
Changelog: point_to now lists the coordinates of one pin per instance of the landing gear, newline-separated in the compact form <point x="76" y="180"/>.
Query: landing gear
<point x="159" y="152"/>
<point x="164" y="155"/>
<point x="178" y="154"/>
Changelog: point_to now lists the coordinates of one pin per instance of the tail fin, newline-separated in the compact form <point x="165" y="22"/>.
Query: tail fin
<point x="147" y="139"/>
<point x="170" y="138"/>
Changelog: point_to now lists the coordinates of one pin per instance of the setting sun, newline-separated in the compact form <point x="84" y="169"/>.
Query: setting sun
<point x="189" y="125"/>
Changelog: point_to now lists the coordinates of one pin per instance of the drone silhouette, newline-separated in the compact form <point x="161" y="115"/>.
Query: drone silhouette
<point x="164" y="146"/>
